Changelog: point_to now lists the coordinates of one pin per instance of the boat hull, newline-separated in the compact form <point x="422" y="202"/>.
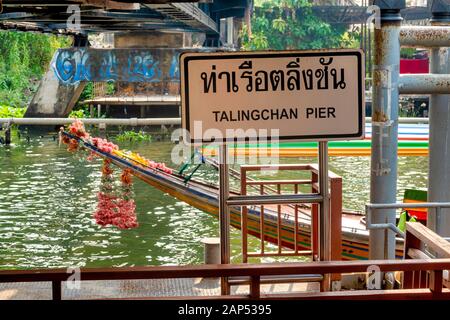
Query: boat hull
<point x="203" y="196"/>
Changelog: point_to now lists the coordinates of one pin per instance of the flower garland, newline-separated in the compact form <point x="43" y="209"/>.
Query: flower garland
<point x="115" y="208"/>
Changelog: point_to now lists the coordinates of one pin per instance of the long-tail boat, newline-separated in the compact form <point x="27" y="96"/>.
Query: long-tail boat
<point x="412" y="141"/>
<point x="204" y="196"/>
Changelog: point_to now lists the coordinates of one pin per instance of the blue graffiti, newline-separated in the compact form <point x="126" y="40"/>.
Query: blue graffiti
<point x="74" y="65"/>
<point x="175" y="68"/>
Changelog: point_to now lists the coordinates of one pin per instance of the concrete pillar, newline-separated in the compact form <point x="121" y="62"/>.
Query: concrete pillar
<point x="153" y="39"/>
<point x="439" y="153"/>
<point x="383" y="179"/>
<point x="211" y="250"/>
<point x="53" y="99"/>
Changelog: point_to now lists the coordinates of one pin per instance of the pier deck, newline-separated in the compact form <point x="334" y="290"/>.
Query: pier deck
<point x="136" y="289"/>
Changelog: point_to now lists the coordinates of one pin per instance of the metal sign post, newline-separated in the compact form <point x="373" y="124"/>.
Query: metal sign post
<point x="324" y="213"/>
<point x="224" y="214"/>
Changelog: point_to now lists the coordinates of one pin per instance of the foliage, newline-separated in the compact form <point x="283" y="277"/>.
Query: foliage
<point x="407" y="53"/>
<point x="80" y="113"/>
<point x="11" y="112"/>
<point x="88" y="92"/>
<point x="133" y="136"/>
<point x="291" y="24"/>
<point x="81" y="109"/>
<point x="24" y="57"/>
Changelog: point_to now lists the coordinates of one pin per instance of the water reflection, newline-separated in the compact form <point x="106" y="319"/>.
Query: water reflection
<point x="47" y="197"/>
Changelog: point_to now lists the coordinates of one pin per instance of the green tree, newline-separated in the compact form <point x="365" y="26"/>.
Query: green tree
<point x="24" y="57"/>
<point x="289" y="25"/>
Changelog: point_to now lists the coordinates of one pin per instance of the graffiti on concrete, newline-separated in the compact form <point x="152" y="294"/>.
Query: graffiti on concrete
<point x="128" y="65"/>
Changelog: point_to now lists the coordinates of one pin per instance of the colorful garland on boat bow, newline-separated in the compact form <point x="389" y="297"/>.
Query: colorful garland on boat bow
<point x="115" y="207"/>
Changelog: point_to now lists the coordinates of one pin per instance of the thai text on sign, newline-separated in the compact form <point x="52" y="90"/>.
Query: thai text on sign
<point x="305" y="95"/>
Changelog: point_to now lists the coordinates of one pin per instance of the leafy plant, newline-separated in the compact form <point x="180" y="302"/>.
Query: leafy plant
<point x="291" y="24"/>
<point x="79" y="114"/>
<point x="407" y="53"/>
<point x="132" y="136"/>
<point x="24" y="57"/>
<point x="11" y="112"/>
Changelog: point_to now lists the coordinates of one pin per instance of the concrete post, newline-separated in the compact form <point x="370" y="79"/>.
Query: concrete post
<point x="383" y="182"/>
<point x="211" y="250"/>
<point x="439" y="152"/>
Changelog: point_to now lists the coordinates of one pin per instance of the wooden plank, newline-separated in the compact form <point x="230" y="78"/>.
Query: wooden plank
<point x="255" y="287"/>
<point x="417" y="254"/>
<point x="176" y="298"/>
<point x="277" y="254"/>
<point x="408" y="279"/>
<point x="435" y="242"/>
<point x="278" y="182"/>
<point x="400" y="294"/>
<point x="336" y="222"/>
<point x="244" y="212"/>
<point x="436" y="281"/>
<point x="225" y="270"/>
<point x="315" y="217"/>
<point x="56" y="290"/>
<point x="277" y="167"/>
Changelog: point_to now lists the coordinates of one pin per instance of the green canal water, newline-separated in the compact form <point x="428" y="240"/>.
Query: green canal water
<point x="47" y="197"/>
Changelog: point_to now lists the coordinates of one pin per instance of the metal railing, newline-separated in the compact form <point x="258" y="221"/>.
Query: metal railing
<point x="267" y="189"/>
<point x="255" y="273"/>
<point x="388" y="85"/>
<point x="423" y="243"/>
<point x="93" y="121"/>
<point x="371" y="207"/>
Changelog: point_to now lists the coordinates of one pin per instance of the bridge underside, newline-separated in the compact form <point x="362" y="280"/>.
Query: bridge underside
<point x="106" y="16"/>
<point x="184" y="15"/>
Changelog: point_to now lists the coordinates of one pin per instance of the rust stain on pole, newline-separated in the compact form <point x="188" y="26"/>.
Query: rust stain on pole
<point x="435" y="36"/>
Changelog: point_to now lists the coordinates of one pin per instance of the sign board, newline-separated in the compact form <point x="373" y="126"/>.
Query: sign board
<point x="296" y="95"/>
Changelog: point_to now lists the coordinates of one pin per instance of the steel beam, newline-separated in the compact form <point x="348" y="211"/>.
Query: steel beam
<point x="425" y="36"/>
<point x="425" y="83"/>
<point x="439" y="136"/>
<point x="383" y="181"/>
<point x="110" y="122"/>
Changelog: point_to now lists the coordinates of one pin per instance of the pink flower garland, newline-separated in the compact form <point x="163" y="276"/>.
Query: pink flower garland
<point x="112" y="210"/>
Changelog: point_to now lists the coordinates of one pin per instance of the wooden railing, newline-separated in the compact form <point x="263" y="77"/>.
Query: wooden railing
<point x="423" y="243"/>
<point x="255" y="274"/>
<point x="275" y="187"/>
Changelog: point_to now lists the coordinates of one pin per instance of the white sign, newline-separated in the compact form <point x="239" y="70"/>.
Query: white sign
<point x="305" y="95"/>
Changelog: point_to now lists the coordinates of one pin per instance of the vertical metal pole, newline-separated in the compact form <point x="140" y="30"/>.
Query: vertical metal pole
<point x="383" y="180"/>
<point x="324" y="219"/>
<point x="439" y="143"/>
<point x="324" y="213"/>
<point x="224" y="214"/>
